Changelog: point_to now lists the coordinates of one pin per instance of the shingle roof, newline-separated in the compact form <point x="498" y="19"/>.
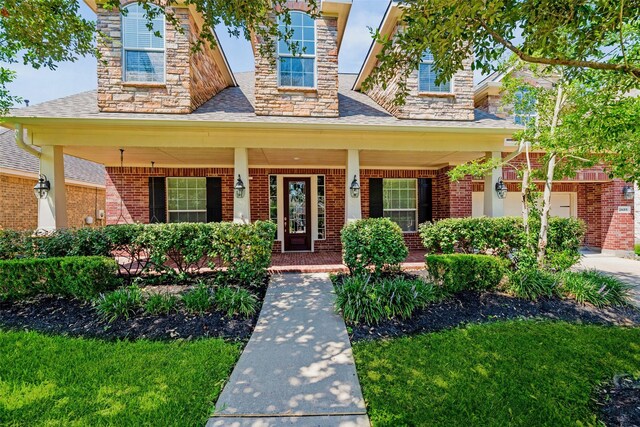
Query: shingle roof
<point x="235" y="104"/>
<point x="12" y="157"/>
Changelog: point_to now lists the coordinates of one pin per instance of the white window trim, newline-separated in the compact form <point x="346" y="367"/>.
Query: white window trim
<point x="428" y="92"/>
<point x="300" y="55"/>
<point x="169" y="211"/>
<point x="150" y="49"/>
<point x="404" y="209"/>
<point x="533" y="116"/>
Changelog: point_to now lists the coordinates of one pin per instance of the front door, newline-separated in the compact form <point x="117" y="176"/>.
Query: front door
<point x="297" y="214"/>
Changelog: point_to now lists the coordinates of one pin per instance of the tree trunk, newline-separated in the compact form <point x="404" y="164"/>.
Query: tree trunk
<point x="546" y="201"/>
<point x="526" y="177"/>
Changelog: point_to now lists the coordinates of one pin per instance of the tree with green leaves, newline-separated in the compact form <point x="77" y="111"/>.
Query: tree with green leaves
<point x="44" y="33"/>
<point x="576" y="123"/>
<point x="578" y="35"/>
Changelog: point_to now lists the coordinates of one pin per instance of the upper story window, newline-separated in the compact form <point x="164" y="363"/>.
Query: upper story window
<point x="524" y="110"/>
<point x="427" y="76"/>
<point x="298" y="70"/>
<point x="143" y="51"/>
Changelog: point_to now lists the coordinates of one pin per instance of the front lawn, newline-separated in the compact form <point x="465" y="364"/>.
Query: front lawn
<point x="523" y="373"/>
<point x="55" y="380"/>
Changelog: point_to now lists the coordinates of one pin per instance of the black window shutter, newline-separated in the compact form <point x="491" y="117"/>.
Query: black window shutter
<point x="424" y="200"/>
<point x="214" y="199"/>
<point x="157" y="199"/>
<point x="375" y="198"/>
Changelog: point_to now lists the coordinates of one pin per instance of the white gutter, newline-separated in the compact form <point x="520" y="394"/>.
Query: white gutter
<point x="21" y="144"/>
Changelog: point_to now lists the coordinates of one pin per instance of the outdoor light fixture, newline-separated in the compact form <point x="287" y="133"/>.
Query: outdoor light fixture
<point x="501" y="189"/>
<point x="628" y="192"/>
<point x="354" y="187"/>
<point x="42" y="187"/>
<point x="239" y="187"/>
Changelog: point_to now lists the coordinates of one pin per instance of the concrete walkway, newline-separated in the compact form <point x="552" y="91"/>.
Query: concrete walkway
<point x="627" y="270"/>
<point x="297" y="368"/>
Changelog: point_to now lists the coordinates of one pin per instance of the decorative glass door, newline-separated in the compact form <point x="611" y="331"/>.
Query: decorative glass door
<point x="297" y="214"/>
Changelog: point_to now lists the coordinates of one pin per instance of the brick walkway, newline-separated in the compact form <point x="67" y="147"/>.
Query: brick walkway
<point x="327" y="262"/>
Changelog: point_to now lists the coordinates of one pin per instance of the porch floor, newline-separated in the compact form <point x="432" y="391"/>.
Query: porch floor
<point x="327" y="262"/>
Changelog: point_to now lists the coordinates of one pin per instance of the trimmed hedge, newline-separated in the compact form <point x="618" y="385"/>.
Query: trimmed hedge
<point x="373" y="245"/>
<point x="460" y="272"/>
<point x="503" y="237"/>
<point x="241" y="251"/>
<point x="80" y="277"/>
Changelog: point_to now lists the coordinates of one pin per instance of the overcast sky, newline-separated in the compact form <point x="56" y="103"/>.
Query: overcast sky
<point x="42" y="85"/>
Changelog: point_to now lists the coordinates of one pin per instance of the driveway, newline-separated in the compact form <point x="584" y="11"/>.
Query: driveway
<point x="625" y="269"/>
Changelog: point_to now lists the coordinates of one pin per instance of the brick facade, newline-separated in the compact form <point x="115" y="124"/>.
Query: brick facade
<point x="19" y="207"/>
<point x="457" y="105"/>
<point x="321" y="101"/>
<point x="128" y="190"/>
<point x="191" y="78"/>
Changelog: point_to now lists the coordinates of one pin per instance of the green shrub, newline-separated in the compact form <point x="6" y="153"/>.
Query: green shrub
<point x="242" y="250"/>
<point x="161" y="304"/>
<point x="362" y="300"/>
<point x="80" y="277"/>
<point x="637" y="249"/>
<point x="122" y="302"/>
<point x="198" y="300"/>
<point x="532" y="284"/>
<point x="503" y="237"/>
<point x="595" y="288"/>
<point x="459" y="272"/>
<point x="373" y="245"/>
<point x="236" y="301"/>
<point x="15" y="244"/>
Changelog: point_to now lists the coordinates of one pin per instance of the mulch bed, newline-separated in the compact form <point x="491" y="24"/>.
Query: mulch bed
<point x="619" y="402"/>
<point x="475" y="307"/>
<point x="72" y="317"/>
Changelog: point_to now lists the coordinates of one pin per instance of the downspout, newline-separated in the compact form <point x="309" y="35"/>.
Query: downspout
<point x="21" y="144"/>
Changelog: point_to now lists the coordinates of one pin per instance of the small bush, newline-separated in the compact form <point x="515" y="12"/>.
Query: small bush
<point x="80" y="277"/>
<point x="15" y="244"/>
<point x="161" y="304"/>
<point x="122" y="302"/>
<point x="532" y="284"/>
<point x="459" y="272"/>
<point x="361" y="300"/>
<point x="637" y="249"/>
<point x="595" y="288"/>
<point x="198" y="300"/>
<point x="236" y="301"/>
<point x="373" y="243"/>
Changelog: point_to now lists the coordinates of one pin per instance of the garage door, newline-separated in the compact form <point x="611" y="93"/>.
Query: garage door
<point x="562" y="204"/>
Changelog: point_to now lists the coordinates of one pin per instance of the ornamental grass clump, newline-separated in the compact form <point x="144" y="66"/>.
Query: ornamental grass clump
<point x="161" y="304"/>
<point x="531" y="284"/>
<point x="123" y="302"/>
<point x="595" y="288"/>
<point x="236" y="301"/>
<point x="198" y="300"/>
<point x="362" y="300"/>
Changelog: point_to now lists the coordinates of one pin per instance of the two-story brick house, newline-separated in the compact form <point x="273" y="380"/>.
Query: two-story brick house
<point x="183" y="138"/>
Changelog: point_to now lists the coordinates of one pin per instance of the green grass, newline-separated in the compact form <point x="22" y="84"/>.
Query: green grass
<point x="60" y="381"/>
<point x="518" y="373"/>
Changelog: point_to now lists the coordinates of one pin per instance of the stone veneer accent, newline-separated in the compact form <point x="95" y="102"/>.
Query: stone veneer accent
<point x="457" y="105"/>
<point x="321" y="101"/>
<point x="191" y="78"/>
<point x="19" y="208"/>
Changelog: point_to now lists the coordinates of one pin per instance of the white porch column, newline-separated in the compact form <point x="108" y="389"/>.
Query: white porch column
<point x="52" y="211"/>
<point x="241" y="206"/>
<point x="493" y="206"/>
<point x="353" y="207"/>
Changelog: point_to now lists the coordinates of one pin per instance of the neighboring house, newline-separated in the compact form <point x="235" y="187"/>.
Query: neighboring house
<point x="296" y="143"/>
<point x="85" y="187"/>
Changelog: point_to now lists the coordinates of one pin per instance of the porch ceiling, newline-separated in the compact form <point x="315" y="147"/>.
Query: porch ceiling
<point x="163" y="157"/>
<point x="296" y="157"/>
<point x="415" y="159"/>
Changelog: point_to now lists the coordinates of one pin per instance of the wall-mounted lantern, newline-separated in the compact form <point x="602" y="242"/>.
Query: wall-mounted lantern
<point x="354" y="187"/>
<point x="42" y="187"/>
<point x="501" y="189"/>
<point x="239" y="188"/>
<point x="628" y="192"/>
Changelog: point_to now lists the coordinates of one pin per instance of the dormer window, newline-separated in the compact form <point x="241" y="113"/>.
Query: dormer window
<point x="298" y="70"/>
<point x="427" y="76"/>
<point x="524" y="110"/>
<point x="143" y="58"/>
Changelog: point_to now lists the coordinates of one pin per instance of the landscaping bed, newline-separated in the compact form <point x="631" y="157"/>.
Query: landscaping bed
<point x="619" y="401"/>
<point x="482" y="307"/>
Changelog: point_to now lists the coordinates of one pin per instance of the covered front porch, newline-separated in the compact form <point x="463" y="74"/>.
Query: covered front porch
<point x="329" y="262"/>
